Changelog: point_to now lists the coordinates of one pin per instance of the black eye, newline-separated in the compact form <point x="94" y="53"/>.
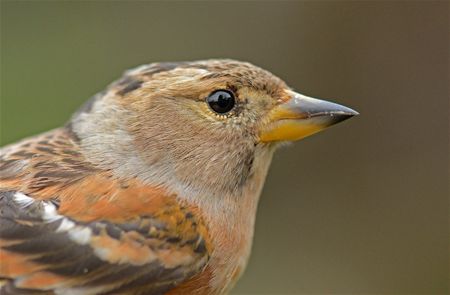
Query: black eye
<point x="221" y="101"/>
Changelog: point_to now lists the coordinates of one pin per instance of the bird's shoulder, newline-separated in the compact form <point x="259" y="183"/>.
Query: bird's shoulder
<point x="44" y="162"/>
<point x="67" y="224"/>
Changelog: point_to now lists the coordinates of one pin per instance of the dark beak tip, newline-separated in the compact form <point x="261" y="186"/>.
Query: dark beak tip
<point x="337" y="118"/>
<point x="353" y="113"/>
<point x="346" y="111"/>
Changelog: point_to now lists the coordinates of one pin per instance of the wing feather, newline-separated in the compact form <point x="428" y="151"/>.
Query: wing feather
<point x="68" y="227"/>
<point x="61" y="253"/>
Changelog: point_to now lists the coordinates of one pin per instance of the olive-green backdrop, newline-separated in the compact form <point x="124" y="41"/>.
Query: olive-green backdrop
<point x="361" y="208"/>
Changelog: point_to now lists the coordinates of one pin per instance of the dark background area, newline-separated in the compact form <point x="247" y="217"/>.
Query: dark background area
<point x="361" y="208"/>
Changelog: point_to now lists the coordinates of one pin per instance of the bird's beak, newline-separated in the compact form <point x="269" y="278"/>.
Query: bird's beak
<point x="301" y="116"/>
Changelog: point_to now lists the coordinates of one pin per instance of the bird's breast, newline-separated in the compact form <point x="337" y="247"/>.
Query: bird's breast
<point x="232" y="241"/>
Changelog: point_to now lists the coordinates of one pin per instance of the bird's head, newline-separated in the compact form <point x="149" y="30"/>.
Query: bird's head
<point x="190" y="123"/>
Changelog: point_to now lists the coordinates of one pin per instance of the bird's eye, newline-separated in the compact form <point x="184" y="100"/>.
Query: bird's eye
<point x="221" y="101"/>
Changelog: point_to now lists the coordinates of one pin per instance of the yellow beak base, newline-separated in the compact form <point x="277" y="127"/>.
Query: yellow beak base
<point x="289" y="130"/>
<point x="300" y="117"/>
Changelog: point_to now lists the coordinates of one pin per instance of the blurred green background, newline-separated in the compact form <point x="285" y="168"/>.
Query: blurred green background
<point x="361" y="208"/>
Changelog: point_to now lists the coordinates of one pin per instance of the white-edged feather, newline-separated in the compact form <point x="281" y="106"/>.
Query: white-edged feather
<point x="65" y="225"/>
<point x="23" y="199"/>
<point x="80" y="235"/>
<point x="50" y="213"/>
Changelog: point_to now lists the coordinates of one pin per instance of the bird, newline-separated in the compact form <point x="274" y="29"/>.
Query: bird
<point x="153" y="184"/>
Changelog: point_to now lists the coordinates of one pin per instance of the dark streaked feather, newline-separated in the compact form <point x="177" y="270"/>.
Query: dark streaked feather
<point x="25" y="232"/>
